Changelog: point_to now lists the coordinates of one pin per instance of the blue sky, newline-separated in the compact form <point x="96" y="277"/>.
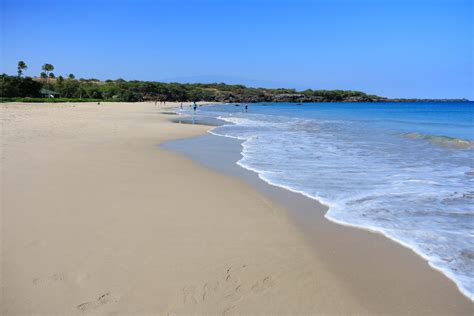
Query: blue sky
<point x="395" y="48"/>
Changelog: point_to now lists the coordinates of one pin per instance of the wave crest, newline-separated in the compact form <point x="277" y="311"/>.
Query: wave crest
<point x="442" y="140"/>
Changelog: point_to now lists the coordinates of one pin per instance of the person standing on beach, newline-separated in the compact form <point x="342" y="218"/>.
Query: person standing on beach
<point x="194" y="106"/>
<point x="246" y="107"/>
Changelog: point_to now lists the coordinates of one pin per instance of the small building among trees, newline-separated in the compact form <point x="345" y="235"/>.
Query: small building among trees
<point x="46" y="93"/>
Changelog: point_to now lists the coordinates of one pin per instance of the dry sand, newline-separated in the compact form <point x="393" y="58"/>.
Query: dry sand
<point x="96" y="219"/>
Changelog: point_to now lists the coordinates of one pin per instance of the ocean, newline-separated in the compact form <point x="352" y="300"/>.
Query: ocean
<point x="405" y="170"/>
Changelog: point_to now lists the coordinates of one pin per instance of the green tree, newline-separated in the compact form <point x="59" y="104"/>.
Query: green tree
<point x="51" y="75"/>
<point x="81" y="92"/>
<point x="71" y="77"/>
<point x="21" y="67"/>
<point x="47" y="68"/>
<point x="14" y="86"/>
<point x="59" y="85"/>
<point x="68" y="88"/>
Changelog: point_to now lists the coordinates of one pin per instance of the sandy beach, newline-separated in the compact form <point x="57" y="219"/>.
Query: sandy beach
<point x="96" y="218"/>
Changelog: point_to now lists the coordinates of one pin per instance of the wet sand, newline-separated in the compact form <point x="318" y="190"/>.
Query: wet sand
<point x="381" y="273"/>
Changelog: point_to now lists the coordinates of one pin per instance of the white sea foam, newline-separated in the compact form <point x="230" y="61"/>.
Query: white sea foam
<point x="415" y="194"/>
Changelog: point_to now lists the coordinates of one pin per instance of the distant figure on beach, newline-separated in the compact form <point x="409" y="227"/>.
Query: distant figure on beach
<point x="98" y="103"/>
<point x="194" y="106"/>
<point x="181" y="106"/>
<point x="246" y="107"/>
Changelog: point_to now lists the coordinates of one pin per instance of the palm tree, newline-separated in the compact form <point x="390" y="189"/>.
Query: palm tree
<point x="47" y="68"/>
<point x="21" y="66"/>
<point x="51" y="75"/>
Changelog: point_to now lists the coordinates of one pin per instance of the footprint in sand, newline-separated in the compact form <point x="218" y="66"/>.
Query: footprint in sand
<point x="231" y="289"/>
<point x="263" y="284"/>
<point x="101" y="300"/>
<point x="57" y="277"/>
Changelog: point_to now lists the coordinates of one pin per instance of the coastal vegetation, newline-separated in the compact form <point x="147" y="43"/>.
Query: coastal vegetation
<point x="49" y="88"/>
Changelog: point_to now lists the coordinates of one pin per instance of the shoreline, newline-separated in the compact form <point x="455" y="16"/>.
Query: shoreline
<point x="369" y="229"/>
<point x="213" y="123"/>
<point x="275" y="192"/>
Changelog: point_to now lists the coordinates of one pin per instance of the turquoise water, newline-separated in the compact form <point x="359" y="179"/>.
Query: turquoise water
<point x="442" y="119"/>
<point x="402" y="169"/>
